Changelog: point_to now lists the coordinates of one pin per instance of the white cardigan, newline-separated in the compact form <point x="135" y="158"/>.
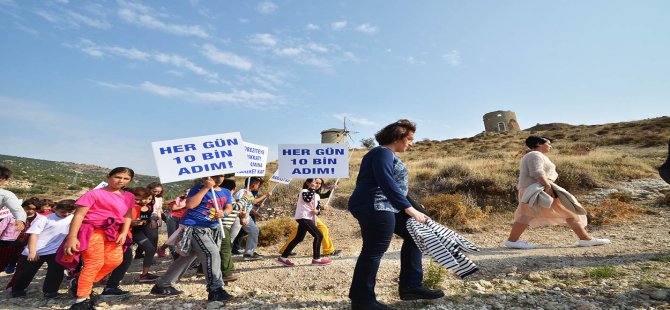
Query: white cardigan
<point x="443" y="245"/>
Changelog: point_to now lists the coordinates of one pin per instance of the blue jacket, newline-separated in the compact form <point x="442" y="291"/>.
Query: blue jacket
<point x="382" y="183"/>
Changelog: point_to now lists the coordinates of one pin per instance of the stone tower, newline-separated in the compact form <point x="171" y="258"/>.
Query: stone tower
<point x="501" y="121"/>
<point x="334" y="135"/>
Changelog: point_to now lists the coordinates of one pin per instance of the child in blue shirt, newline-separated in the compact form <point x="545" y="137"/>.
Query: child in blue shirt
<point x="201" y="238"/>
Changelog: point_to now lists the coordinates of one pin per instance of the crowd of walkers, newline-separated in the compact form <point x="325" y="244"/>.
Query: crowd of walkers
<point x="91" y="239"/>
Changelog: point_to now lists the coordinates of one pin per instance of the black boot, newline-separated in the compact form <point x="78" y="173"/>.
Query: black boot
<point x="419" y="293"/>
<point x="219" y="294"/>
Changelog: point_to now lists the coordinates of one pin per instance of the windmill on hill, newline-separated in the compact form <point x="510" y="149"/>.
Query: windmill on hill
<point x="338" y="135"/>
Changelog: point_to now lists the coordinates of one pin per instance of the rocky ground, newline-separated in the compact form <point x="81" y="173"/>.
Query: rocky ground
<point x="631" y="273"/>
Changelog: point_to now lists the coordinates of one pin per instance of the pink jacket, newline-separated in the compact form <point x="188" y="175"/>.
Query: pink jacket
<point x="8" y="231"/>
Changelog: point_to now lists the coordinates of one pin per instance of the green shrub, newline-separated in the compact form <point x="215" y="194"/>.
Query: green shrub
<point x="602" y="272"/>
<point x="434" y="275"/>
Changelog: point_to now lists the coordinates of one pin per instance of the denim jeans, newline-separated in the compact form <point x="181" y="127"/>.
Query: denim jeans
<point x="377" y="229"/>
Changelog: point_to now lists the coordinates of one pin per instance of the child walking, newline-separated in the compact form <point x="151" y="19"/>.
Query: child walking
<point x="305" y="215"/>
<point x="98" y="232"/>
<point x="46" y="233"/>
<point x="327" y="243"/>
<point x="200" y="238"/>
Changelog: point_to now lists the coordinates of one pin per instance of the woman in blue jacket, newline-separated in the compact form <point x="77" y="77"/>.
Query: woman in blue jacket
<point x="379" y="203"/>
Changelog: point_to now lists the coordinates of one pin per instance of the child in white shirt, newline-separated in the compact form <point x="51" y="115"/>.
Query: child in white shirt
<point x="46" y="234"/>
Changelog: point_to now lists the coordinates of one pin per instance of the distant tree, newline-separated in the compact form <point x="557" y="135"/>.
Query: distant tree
<point x="368" y="142"/>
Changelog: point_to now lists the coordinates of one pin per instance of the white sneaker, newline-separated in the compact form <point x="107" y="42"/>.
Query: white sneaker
<point x="593" y="242"/>
<point x="519" y="245"/>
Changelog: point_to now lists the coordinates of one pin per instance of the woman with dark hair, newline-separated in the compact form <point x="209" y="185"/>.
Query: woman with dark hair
<point x="537" y="173"/>
<point x="379" y="203"/>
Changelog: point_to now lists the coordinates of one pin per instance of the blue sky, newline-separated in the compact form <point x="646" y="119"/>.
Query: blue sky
<point x="97" y="81"/>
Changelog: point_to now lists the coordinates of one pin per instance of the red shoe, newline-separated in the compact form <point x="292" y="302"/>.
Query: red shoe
<point x="286" y="262"/>
<point x="321" y="262"/>
<point x="161" y="252"/>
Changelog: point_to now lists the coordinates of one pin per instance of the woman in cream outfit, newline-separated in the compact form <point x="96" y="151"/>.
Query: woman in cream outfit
<point x="536" y="167"/>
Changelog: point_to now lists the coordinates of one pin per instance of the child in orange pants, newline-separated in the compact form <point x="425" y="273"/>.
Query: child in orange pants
<point x="98" y="232"/>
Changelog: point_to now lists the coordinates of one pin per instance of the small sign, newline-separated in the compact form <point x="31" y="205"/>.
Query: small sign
<point x="327" y="160"/>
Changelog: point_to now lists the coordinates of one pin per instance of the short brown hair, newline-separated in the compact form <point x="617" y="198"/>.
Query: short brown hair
<point x="395" y="131"/>
<point x="140" y="192"/>
<point x="66" y="205"/>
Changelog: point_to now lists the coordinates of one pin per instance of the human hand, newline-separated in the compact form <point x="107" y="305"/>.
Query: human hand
<point x="549" y="190"/>
<point x="418" y="216"/>
<point x="219" y="214"/>
<point x="33" y="257"/>
<point x="71" y="246"/>
<point x="121" y="239"/>
<point x="20" y="225"/>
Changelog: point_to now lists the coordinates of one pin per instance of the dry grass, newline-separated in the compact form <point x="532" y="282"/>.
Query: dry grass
<point x="484" y="168"/>
<point x="456" y="211"/>
<point x="610" y="210"/>
<point x="276" y="230"/>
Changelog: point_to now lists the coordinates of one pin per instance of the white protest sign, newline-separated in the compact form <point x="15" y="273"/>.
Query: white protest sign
<point x="101" y="185"/>
<point x="258" y="158"/>
<point x="278" y="179"/>
<point x="196" y="157"/>
<point x="327" y="160"/>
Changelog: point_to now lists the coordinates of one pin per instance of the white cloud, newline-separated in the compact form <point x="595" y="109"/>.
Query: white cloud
<point x="288" y="51"/>
<point x="144" y="16"/>
<point x="27" y="29"/>
<point x="311" y="26"/>
<point x="453" y="57"/>
<point x="176" y="73"/>
<point x="414" y="61"/>
<point x="338" y="25"/>
<point x="250" y="99"/>
<point x="52" y="18"/>
<point x="131" y="53"/>
<point x="354" y="120"/>
<point x="73" y="19"/>
<point x="264" y="39"/>
<point x="225" y="58"/>
<point x="367" y="28"/>
<point x="91" y="48"/>
<point x="184" y="62"/>
<point x="317" y="47"/>
<point x="266" y="7"/>
<point x="242" y="98"/>
<point x="89" y="21"/>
